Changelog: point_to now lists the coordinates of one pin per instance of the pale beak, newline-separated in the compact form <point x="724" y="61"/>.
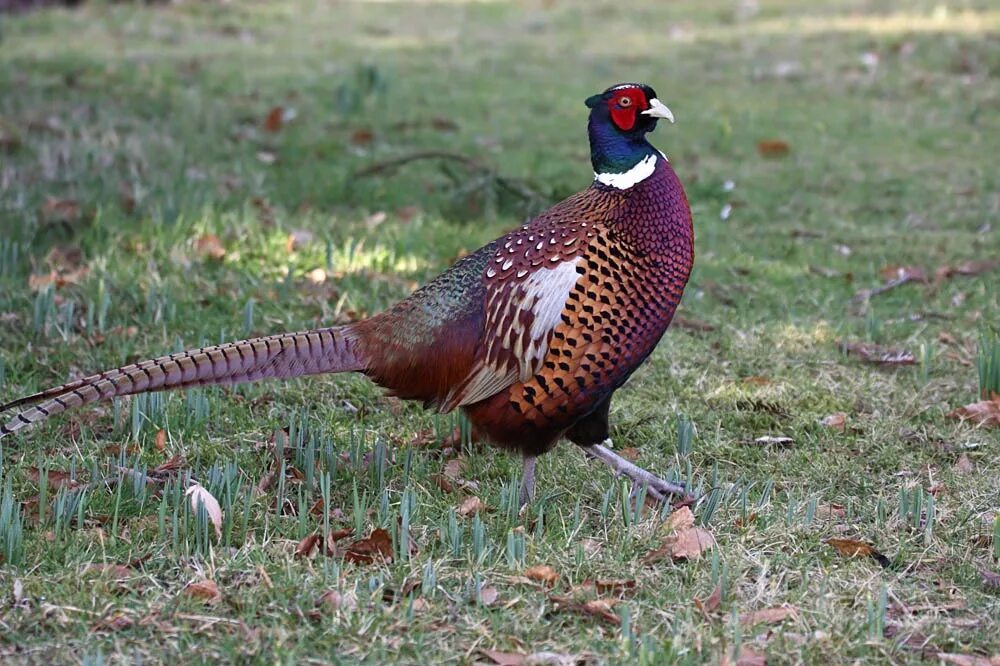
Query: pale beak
<point x="658" y="109"/>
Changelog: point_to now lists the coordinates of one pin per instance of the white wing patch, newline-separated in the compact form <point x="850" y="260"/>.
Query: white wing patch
<point x="514" y="352"/>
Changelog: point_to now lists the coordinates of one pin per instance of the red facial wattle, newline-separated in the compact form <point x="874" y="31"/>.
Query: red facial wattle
<point x="624" y="106"/>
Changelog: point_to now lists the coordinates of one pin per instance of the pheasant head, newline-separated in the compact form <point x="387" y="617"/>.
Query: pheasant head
<point x="620" y="118"/>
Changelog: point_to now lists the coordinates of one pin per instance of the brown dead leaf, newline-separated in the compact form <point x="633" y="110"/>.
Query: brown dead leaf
<point x="710" y="603"/>
<point x="362" y="137"/>
<point x="769" y="615"/>
<point x="377" y="545"/>
<point x="299" y="238"/>
<point x="902" y="274"/>
<point x="855" y="548"/>
<point x="831" y="511"/>
<point x="160" y="441"/>
<point x="488" y="595"/>
<point x="210" y="247"/>
<point x="60" y="211"/>
<point x="964" y="465"/>
<point x="453" y="469"/>
<point x="686" y="544"/>
<point x="877" y="354"/>
<point x="679" y="519"/>
<point x="308" y="546"/>
<point x="968" y="268"/>
<point x="631" y="453"/>
<point x="967" y="659"/>
<point x="116" y="622"/>
<point x="750" y="657"/>
<point x="111" y="571"/>
<point x="56" y="478"/>
<point x="836" y="421"/>
<point x="599" y="608"/>
<point x="205" y="590"/>
<point x="542" y="573"/>
<point x="984" y="412"/>
<point x="199" y="496"/>
<point x="773" y="148"/>
<point x="274" y="120"/>
<point x="991" y="580"/>
<point x="471" y="505"/>
<point x="334" y="600"/>
<point x="504" y="658"/>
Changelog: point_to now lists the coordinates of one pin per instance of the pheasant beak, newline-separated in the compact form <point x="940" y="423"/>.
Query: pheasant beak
<point x="658" y="109"/>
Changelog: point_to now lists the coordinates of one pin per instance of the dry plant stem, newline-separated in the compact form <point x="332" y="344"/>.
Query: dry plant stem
<point x="656" y="487"/>
<point x="528" y="480"/>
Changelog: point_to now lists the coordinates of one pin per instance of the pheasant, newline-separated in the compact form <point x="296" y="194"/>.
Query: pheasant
<point x="531" y="335"/>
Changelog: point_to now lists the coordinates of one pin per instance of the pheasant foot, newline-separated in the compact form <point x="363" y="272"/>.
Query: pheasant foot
<point x="656" y="487"/>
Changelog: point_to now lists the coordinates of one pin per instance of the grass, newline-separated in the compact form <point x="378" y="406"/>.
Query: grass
<point x="130" y="136"/>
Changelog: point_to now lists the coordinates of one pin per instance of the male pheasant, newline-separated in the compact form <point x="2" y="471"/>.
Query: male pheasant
<point x="530" y="335"/>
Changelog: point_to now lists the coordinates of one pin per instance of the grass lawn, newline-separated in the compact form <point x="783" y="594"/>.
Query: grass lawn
<point x="176" y="174"/>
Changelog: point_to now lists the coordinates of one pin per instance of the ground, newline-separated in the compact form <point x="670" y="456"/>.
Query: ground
<point x="179" y="173"/>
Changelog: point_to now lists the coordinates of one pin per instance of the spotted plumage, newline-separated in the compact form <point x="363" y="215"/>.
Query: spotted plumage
<point x="530" y="335"/>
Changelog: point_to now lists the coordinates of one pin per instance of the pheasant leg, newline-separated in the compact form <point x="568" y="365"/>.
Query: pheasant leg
<point x="528" y="480"/>
<point x="656" y="487"/>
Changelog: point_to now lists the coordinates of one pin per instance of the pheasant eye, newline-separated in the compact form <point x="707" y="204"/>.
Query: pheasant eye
<point x="625" y="102"/>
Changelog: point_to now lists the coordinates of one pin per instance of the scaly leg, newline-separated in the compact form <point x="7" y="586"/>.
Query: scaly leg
<point x="656" y="487"/>
<point x="528" y="480"/>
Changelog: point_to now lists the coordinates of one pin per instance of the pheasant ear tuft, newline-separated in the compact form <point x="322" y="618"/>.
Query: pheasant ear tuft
<point x="594" y="100"/>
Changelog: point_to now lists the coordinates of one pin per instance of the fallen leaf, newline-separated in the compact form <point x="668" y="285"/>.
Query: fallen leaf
<point x="471" y="505"/>
<point x="504" y="658"/>
<point x="206" y="590"/>
<point x="56" y="479"/>
<point x="830" y="511"/>
<point x="277" y="118"/>
<point x="686" y="544"/>
<point x="680" y="519"/>
<point x="774" y="440"/>
<point x="377" y="545"/>
<point x="768" y="615"/>
<point x="116" y="622"/>
<point x="299" y="238"/>
<point x="542" y="573"/>
<point x="614" y="586"/>
<point x="160" y="441"/>
<point x="209" y="246"/>
<point x="711" y="602"/>
<point x="855" y="548"/>
<point x="964" y="465"/>
<point x="968" y="268"/>
<point x="773" y="148"/>
<point x="749" y="657"/>
<point x="836" y="421"/>
<point x="630" y="453"/>
<point x="544" y="658"/>
<point x="111" y="571"/>
<point x="991" y="580"/>
<point x="967" y="659"/>
<point x="308" y="546"/>
<point x="335" y="600"/>
<point x="56" y="210"/>
<point x="201" y="497"/>
<point x="877" y="354"/>
<point x="599" y="608"/>
<point x="984" y="412"/>
<point x="902" y="274"/>
<point x="362" y="137"/>
<point x="488" y="595"/>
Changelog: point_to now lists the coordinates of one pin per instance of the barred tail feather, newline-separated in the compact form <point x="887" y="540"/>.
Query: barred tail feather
<point x="280" y="356"/>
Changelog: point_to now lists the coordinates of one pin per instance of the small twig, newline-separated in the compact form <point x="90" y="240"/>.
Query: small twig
<point x="396" y="162"/>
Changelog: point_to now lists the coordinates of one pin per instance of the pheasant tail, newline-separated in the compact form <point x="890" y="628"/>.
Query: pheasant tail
<point x="277" y="356"/>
